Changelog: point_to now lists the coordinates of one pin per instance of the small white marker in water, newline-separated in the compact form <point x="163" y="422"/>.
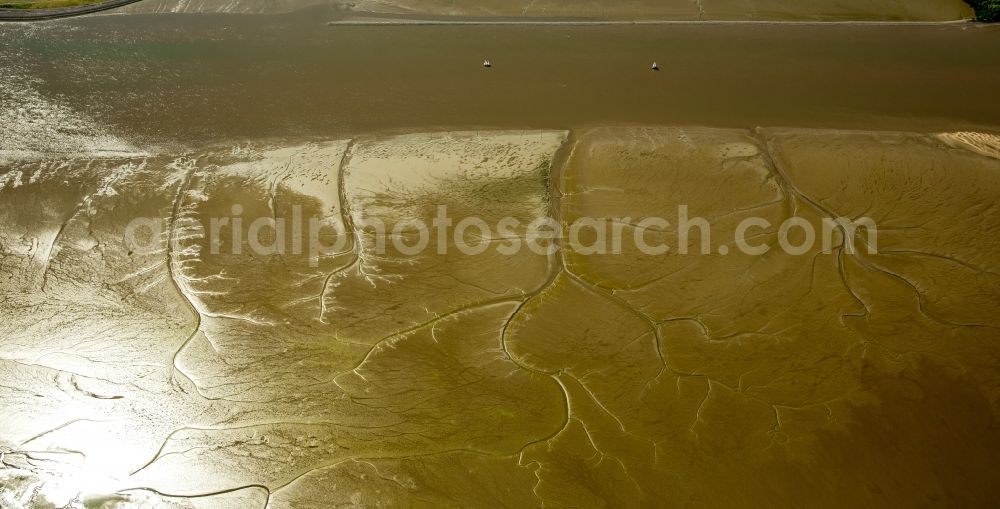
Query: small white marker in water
<point x="656" y="67"/>
<point x="487" y="63"/>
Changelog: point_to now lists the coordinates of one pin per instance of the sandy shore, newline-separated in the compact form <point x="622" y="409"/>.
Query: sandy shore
<point x="867" y="10"/>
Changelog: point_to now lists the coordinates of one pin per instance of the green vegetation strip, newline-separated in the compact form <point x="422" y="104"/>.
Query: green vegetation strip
<point x="986" y="10"/>
<point x="47" y="4"/>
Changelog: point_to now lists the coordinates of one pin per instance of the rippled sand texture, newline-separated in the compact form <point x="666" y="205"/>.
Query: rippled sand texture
<point x="192" y="377"/>
<point x="912" y="10"/>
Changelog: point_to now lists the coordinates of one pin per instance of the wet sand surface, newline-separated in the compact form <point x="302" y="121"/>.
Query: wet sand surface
<point x="187" y="375"/>
<point x="191" y="376"/>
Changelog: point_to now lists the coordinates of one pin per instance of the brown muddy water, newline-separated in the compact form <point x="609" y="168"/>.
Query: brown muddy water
<point x="208" y="78"/>
<point x="191" y="374"/>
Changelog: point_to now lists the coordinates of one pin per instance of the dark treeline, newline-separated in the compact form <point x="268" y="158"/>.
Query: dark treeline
<point x="986" y="10"/>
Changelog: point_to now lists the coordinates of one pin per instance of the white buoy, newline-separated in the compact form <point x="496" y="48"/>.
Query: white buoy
<point x="656" y="67"/>
<point x="487" y="63"/>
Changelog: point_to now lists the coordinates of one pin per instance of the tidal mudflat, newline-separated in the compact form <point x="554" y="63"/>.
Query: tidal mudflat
<point x="173" y="366"/>
<point x="185" y="377"/>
